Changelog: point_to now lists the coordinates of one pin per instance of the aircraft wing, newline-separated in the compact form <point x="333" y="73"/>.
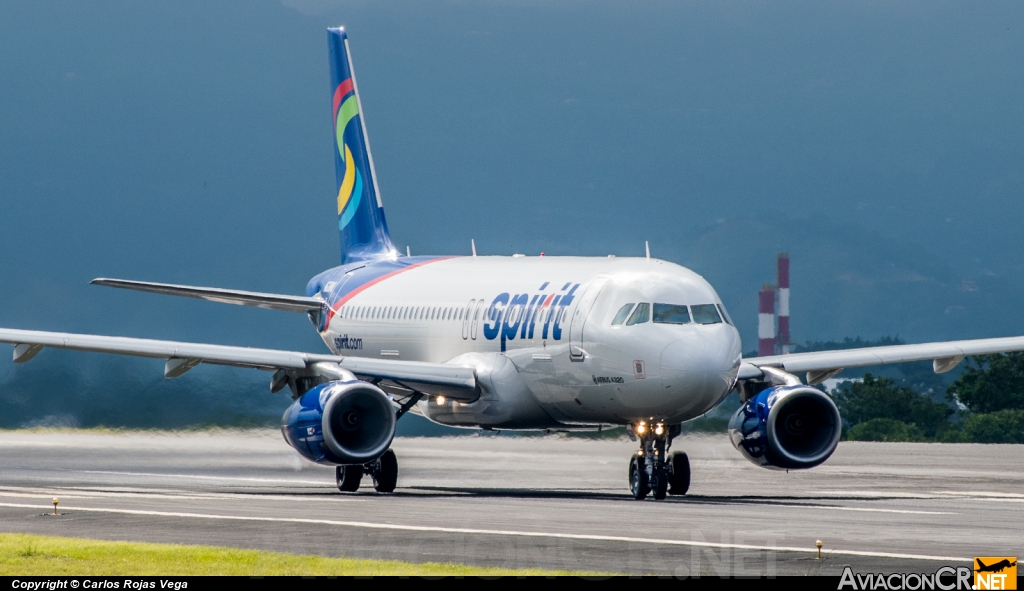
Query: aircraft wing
<point x="270" y="301"/>
<point x="456" y="382"/>
<point x="821" y="365"/>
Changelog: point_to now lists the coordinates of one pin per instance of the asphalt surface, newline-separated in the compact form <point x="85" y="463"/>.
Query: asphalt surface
<point x="527" y="502"/>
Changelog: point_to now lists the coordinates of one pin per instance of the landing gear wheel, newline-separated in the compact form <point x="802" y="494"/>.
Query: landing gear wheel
<point x="660" y="485"/>
<point x="348" y="477"/>
<point x="385" y="473"/>
<point x="638" y="482"/>
<point x="679" y="473"/>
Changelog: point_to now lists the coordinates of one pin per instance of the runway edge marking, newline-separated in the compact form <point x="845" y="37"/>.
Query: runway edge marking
<point x="487" y="532"/>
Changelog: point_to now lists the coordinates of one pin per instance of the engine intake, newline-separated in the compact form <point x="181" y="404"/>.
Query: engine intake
<point x="340" y="423"/>
<point x="787" y="428"/>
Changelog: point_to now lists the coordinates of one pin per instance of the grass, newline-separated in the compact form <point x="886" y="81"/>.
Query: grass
<point x="24" y="555"/>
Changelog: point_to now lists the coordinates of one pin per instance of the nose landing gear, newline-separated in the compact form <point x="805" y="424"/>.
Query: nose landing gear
<point x="652" y="468"/>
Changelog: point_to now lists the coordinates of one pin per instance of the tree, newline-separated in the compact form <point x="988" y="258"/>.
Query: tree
<point x="991" y="383"/>
<point x="1002" y="426"/>
<point x="885" y="430"/>
<point x="880" y="398"/>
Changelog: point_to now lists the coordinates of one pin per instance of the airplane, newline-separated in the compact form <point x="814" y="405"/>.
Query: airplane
<point x="510" y="342"/>
<point x="994" y="568"/>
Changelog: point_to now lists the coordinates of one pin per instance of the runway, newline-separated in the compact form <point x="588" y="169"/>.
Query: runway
<point x="546" y="502"/>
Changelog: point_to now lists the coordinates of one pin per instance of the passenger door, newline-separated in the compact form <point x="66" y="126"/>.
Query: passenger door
<point x="465" y="319"/>
<point x="476" y="317"/>
<point x="579" y="318"/>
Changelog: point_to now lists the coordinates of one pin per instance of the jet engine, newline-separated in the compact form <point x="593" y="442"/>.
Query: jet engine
<point x="786" y="428"/>
<point x="340" y="423"/>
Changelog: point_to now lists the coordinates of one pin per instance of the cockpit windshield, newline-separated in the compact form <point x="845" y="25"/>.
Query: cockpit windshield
<point x="706" y="314"/>
<point x="671" y="314"/>
<point x="640" y="315"/>
<point x="725" y="315"/>
<point x="622" y="314"/>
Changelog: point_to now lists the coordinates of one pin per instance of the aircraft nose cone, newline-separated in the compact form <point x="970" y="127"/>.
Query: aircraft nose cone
<point x="706" y="351"/>
<point x="704" y="361"/>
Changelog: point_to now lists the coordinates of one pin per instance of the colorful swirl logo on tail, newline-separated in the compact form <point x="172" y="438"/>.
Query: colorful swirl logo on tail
<point x="351" y="193"/>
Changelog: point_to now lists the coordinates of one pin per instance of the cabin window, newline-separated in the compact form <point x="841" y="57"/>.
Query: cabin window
<point x="671" y="314"/>
<point x="640" y="315"/>
<point x="706" y="314"/>
<point x="622" y="314"/>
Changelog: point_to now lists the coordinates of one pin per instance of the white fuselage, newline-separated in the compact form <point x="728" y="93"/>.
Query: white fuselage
<point x="543" y="363"/>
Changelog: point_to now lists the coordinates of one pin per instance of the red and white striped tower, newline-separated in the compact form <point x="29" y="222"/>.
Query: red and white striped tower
<point x="783" y="303"/>
<point x="766" y="321"/>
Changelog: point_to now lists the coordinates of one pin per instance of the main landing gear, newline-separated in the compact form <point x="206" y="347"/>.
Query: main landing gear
<point x="653" y="469"/>
<point x="383" y="471"/>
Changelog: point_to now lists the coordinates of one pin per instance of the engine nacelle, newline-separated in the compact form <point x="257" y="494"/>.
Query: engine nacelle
<point x="340" y="423"/>
<point x="787" y="428"/>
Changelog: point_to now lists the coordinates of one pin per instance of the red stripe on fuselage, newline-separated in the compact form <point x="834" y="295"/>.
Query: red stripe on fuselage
<point x="338" y="304"/>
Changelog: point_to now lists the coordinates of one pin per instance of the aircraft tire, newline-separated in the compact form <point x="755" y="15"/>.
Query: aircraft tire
<point x="660" y="485"/>
<point x="385" y="477"/>
<point x="348" y="477"/>
<point x="638" y="483"/>
<point x="679" y="473"/>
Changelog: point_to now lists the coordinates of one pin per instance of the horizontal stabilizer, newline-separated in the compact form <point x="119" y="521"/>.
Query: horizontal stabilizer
<point x="270" y="301"/>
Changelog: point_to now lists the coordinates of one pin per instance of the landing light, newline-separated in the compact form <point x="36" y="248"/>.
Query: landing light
<point x="659" y="429"/>
<point x="440" y="400"/>
<point x="641" y="428"/>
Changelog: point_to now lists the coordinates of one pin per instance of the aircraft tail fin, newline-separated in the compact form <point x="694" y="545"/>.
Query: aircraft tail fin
<point x="364" y="231"/>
